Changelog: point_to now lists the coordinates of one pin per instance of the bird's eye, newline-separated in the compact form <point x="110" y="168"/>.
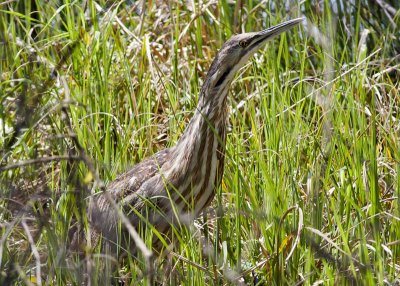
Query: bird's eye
<point x="243" y="43"/>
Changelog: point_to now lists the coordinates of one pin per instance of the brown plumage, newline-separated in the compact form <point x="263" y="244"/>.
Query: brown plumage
<point x="181" y="181"/>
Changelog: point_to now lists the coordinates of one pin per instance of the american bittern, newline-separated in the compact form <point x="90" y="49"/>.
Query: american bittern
<point x="181" y="180"/>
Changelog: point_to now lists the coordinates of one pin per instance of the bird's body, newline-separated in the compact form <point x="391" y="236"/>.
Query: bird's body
<point x="179" y="182"/>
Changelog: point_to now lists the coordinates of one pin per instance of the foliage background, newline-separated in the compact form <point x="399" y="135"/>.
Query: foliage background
<point x="311" y="187"/>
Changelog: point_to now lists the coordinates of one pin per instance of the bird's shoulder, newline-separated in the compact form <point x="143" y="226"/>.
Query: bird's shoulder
<point x="133" y="179"/>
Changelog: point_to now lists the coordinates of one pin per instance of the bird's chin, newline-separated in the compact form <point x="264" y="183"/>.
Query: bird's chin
<point x="245" y="59"/>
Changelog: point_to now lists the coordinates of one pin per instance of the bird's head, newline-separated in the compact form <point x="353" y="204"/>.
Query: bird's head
<point x="238" y="49"/>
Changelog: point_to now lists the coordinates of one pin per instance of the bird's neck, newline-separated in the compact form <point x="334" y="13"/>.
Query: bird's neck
<point x="197" y="160"/>
<point x="209" y="120"/>
<point x="205" y="135"/>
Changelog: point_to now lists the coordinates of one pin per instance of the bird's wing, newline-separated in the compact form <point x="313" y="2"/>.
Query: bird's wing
<point x="124" y="189"/>
<point x="130" y="182"/>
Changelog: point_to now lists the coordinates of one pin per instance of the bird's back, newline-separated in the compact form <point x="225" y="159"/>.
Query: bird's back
<point x="133" y="191"/>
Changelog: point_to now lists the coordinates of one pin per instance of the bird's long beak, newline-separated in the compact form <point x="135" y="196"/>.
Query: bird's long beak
<point x="265" y="35"/>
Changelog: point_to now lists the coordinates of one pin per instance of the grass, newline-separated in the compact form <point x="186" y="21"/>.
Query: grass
<point x="311" y="187"/>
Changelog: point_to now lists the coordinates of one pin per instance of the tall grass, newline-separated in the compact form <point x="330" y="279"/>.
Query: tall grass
<point x="311" y="188"/>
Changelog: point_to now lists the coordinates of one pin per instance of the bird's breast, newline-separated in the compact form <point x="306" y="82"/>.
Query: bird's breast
<point x="204" y="166"/>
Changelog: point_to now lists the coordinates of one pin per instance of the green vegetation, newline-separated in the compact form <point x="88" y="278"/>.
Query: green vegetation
<point x="311" y="191"/>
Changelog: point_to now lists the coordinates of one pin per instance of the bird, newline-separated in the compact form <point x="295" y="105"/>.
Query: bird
<point x="179" y="182"/>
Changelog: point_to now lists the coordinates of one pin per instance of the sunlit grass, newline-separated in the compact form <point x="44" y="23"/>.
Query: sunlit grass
<point x="311" y="185"/>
